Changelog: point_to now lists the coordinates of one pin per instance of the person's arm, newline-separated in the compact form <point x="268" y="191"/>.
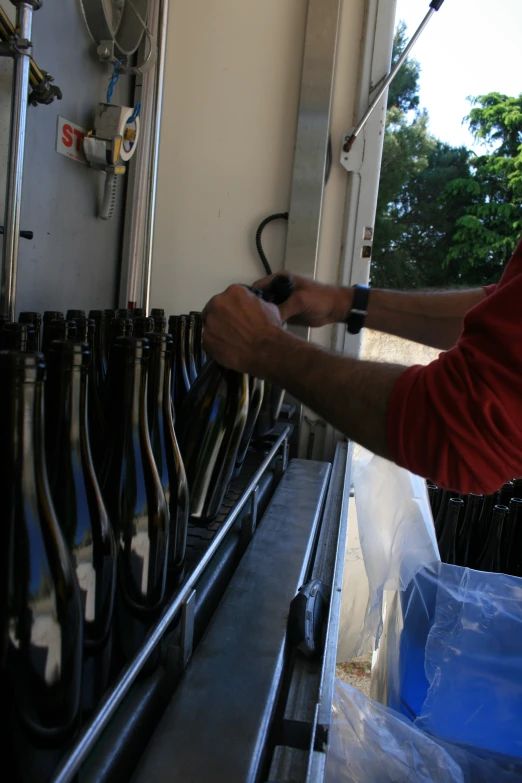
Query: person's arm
<point x="432" y="318"/>
<point x="244" y="333"/>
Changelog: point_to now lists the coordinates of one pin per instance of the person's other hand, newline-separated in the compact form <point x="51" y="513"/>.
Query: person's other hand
<point x="240" y="330"/>
<point x="312" y="304"/>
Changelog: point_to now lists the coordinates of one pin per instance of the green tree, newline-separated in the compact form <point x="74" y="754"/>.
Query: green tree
<point x="487" y="233"/>
<point x="415" y="217"/>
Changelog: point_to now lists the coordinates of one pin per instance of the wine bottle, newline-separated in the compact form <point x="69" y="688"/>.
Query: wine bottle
<point x="36" y="320"/>
<point x="448" y="540"/>
<point x="190" y="358"/>
<point x="96" y="394"/>
<point x="160" y="322"/>
<point x="17" y="337"/>
<point x="489" y="560"/>
<point x="433" y="492"/>
<point x="99" y="359"/>
<point x="123" y="312"/>
<point x="256" y="390"/>
<point x="210" y="427"/>
<point x="142" y="325"/>
<point x="468" y="529"/>
<point x="439" y="520"/>
<point x="166" y="451"/>
<point x="48" y="317"/>
<point x="199" y="353"/>
<point x="80" y="509"/>
<point x="505" y="494"/>
<point x="82" y="329"/>
<point x="60" y="329"/>
<point x="480" y="535"/>
<point x="138" y="312"/>
<point x="180" y="378"/>
<point x="134" y="497"/>
<point x="109" y="315"/>
<point x="45" y="618"/>
<point x="119" y="327"/>
<point x="512" y="541"/>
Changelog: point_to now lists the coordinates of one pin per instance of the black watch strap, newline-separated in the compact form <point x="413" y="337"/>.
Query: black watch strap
<point x="359" y="309"/>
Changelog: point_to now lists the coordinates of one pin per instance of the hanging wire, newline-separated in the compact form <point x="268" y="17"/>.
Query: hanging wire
<point x="135" y="114"/>
<point x="115" y="78"/>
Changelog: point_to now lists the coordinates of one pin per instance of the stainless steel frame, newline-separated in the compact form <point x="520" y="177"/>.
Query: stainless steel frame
<point x="141" y="200"/>
<point x="13" y="201"/>
<point x="181" y="602"/>
<point x="313" y="127"/>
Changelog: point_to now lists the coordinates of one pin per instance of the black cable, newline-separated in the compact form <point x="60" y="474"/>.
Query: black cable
<point x="259" y="246"/>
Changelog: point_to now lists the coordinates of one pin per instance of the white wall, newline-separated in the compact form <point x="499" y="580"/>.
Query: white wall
<point x="229" y="122"/>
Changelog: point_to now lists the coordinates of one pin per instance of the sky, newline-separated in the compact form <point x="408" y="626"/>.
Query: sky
<point x="470" y="47"/>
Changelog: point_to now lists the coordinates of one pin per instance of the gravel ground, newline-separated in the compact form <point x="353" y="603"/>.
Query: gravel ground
<point x="357" y="673"/>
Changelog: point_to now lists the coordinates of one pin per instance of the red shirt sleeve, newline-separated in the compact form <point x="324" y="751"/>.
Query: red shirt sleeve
<point x="458" y="420"/>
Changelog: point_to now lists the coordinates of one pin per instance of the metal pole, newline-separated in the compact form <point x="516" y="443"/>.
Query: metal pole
<point x="158" y="104"/>
<point x="138" y="189"/>
<point x="22" y="61"/>
<point x="434" y="6"/>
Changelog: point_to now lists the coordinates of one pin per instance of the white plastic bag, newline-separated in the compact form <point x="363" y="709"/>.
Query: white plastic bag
<point x="396" y="536"/>
<point x="370" y="743"/>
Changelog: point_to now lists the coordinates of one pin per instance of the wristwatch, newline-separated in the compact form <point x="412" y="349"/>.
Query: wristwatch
<point x="359" y="309"/>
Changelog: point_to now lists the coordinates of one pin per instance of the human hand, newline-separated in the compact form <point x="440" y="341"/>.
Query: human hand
<point x="240" y="331"/>
<point x="311" y="303"/>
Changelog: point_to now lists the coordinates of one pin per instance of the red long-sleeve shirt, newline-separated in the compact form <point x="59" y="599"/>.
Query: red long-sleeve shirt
<point x="458" y="420"/>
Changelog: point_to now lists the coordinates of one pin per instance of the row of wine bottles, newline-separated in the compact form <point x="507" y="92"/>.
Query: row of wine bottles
<point x="480" y="532"/>
<point x="95" y="495"/>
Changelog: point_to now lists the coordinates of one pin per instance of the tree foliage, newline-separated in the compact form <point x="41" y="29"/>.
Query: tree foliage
<point x="446" y="217"/>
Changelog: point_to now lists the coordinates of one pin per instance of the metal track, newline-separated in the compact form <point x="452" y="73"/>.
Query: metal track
<point x="182" y="602"/>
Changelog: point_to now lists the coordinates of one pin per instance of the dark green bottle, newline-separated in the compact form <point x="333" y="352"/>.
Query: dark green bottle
<point x="36" y="320"/>
<point x="199" y="353"/>
<point x="512" y="541"/>
<point x="96" y="396"/>
<point x="160" y="322"/>
<point x="142" y="325"/>
<point x="80" y="509"/>
<point x="45" y="617"/>
<point x="138" y="312"/>
<point x="468" y="529"/>
<point x="210" y="426"/>
<point x="490" y="559"/>
<point x="180" y="378"/>
<point x="134" y="497"/>
<point x="109" y="315"/>
<point x="190" y="356"/>
<point x="481" y="532"/>
<point x="165" y="449"/>
<point x="505" y="494"/>
<point x="123" y="312"/>
<point x="62" y="330"/>
<point x="99" y="358"/>
<point x="256" y="389"/>
<point x="448" y="540"/>
<point x="48" y="317"/>
<point x="17" y="337"/>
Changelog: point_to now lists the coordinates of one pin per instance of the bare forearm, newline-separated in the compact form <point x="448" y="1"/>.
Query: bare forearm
<point x="350" y="394"/>
<point x="431" y="317"/>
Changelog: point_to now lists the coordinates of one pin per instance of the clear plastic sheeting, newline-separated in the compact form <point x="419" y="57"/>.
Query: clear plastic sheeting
<point x="370" y="743"/>
<point x="396" y="538"/>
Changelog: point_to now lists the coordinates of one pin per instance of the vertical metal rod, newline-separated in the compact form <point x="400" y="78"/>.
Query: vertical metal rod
<point x="158" y="106"/>
<point x="139" y="176"/>
<point x="13" y="201"/>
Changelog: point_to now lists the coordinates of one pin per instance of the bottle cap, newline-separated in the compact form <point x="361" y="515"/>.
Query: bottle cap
<point x="72" y="315"/>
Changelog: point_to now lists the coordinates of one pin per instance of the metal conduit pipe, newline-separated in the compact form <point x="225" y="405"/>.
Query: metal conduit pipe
<point x="15" y="165"/>
<point x="135" y="279"/>
<point x="158" y="108"/>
